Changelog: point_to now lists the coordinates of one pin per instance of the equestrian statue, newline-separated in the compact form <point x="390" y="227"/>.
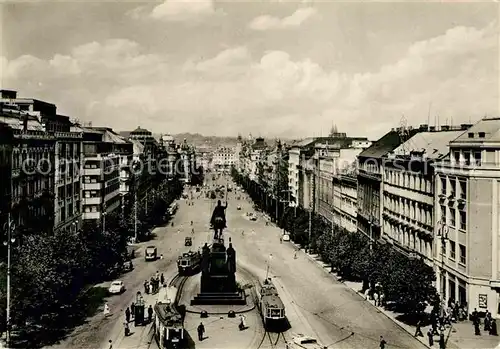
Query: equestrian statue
<point x="218" y="221"/>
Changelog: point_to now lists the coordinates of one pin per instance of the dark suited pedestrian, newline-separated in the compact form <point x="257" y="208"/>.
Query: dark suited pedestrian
<point x="127" y="315"/>
<point x="442" y="343"/>
<point x="132" y="310"/>
<point x="430" y="336"/>
<point x="150" y="314"/>
<point x="493" y="328"/>
<point x="162" y="279"/>
<point x="201" y="331"/>
<point x="382" y="343"/>
<point x="418" y="330"/>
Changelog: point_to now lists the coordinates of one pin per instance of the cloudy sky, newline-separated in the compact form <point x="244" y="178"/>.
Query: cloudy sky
<point x="270" y="68"/>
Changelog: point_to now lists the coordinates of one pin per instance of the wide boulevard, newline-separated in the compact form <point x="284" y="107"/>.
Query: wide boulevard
<point x="317" y="304"/>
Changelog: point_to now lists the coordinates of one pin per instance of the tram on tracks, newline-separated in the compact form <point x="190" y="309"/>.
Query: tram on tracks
<point x="169" y="321"/>
<point x="189" y="263"/>
<point x="271" y="307"/>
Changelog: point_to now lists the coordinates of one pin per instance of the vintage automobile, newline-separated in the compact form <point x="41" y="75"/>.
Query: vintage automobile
<point x="188" y="241"/>
<point x="286" y="237"/>
<point x="238" y="208"/>
<point x="116" y="287"/>
<point x="151" y="253"/>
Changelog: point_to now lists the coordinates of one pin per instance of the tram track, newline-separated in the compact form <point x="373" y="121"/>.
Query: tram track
<point x="178" y="282"/>
<point x="273" y="340"/>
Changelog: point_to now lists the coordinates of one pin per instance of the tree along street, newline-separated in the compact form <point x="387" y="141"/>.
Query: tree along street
<point x="331" y="309"/>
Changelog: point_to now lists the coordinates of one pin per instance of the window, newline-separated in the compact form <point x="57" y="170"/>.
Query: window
<point x="463" y="220"/>
<point x="456" y="156"/>
<point x="467" y="157"/>
<point x="463" y="254"/>
<point x="452" y="250"/>
<point x="471" y="134"/>
<point x="452" y="217"/>
<point x="453" y="185"/>
<point x="463" y="189"/>
<point x="443" y="185"/>
<point x="477" y="158"/>
<point x="481" y="134"/>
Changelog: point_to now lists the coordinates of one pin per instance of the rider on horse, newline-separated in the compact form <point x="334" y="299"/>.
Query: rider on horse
<point x="218" y="220"/>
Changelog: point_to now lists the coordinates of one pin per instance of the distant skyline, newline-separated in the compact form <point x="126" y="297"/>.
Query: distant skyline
<point x="271" y="68"/>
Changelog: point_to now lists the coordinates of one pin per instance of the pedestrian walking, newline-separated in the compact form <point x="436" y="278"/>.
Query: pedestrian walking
<point x="418" y="330"/>
<point x="127" y="315"/>
<point x="157" y="275"/>
<point x="162" y="279"/>
<point x="382" y="343"/>
<point x="493" y="328"/>
<point x="201" y="331"/>
<point x="430" y="336"/>
<point x="146" y="287"/>
<point x="126" y="329"/>
<point x="132" y="310"/>
<point x="442" y="343"/>
<point x="161" y="256"/>
<point x="107" y="311"/>
<point x="151" y="288"/>
<point x="477" y="330"/>
<point x="110" y="344"/>
<point x="150" y="314"/>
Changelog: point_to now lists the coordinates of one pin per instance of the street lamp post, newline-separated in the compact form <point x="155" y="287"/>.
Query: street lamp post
<point x="9" y="226"/>
<point x="443" y="234"/>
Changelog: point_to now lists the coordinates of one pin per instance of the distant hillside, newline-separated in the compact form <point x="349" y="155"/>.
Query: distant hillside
<point x="198" y="140"/>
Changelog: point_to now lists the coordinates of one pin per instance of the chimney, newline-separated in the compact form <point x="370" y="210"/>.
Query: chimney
<point x="445" y="128"/>
<point x="432" y="128"/>
<point x="465" y="127"/>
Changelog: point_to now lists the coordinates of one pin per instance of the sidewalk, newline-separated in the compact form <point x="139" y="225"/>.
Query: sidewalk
<point x="459" y="336"/>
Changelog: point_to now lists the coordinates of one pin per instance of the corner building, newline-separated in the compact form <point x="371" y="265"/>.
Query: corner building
<point x="467" y="204"/>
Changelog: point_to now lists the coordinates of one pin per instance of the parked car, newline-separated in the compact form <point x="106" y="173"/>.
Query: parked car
<point x="116" y="287"/>
<point x="286" y="237"/>
<point x="128" y="266"/>
<point x="188" y="241"/>
<point x="238" y="208"/>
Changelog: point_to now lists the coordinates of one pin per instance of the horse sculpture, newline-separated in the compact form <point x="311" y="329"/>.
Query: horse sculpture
<point x="218" y="221"/>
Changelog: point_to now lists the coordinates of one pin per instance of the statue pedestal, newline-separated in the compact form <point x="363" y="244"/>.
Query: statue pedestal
<point x="218" y="281"/>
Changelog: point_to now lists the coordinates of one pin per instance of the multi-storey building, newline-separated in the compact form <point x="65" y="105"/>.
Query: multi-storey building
<point x="345" y="197"/>
<point x="27" y="170"/>
<point x="370" y="169"/>
<point x="187" y="161"/>
<point x="67" y="156"/>
<point x="68" y="163"/>
<point x="408" y="190"/>
<point x="102" y="150"/>
<point x="224" y="158"/>
<point x="320" y="160"/>
<point x="467" y="204"/>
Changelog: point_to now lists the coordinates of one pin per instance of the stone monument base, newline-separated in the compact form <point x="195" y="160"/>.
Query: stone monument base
<point x="220" y="298"/>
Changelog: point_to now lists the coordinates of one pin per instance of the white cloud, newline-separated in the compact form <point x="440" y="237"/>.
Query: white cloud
<point x="183" y="10"/>
<point x="301" y="15"/>
<point x="238" y="91"/>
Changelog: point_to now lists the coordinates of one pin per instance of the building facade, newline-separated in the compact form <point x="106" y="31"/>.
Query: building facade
<point x="467" y="204"/>
<point x="102" y="150"/>
<point x="224" y="158"/>
<point x="28" y="156"/>
<point x="408" y="191"/>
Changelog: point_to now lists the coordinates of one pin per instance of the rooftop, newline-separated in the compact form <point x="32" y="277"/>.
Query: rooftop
<point x="386" y="144"/>
<point x="434" y="145"/>
<point x="487" y="129"/>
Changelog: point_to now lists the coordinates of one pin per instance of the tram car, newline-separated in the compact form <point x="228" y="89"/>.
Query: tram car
<point x="271" y="307"/>
<point x="189" y="263"/>
<point x="169" y="322"/>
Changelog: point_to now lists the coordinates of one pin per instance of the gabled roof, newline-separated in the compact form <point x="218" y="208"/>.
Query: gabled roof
<point x="489" y="126"/>
<point x="434" y="145"/>
<point x="386" y="144"/>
